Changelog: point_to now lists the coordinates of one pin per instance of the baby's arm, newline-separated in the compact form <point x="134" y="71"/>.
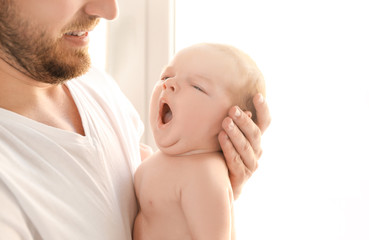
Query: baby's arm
<point x="207" y="202"/>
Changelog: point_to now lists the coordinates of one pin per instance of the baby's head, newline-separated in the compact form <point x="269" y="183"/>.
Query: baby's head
<point x="249" y="80"/>
<point x="195" y="93"/>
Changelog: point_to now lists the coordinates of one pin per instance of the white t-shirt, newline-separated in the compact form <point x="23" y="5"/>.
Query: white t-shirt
<point x="56" y="184"/>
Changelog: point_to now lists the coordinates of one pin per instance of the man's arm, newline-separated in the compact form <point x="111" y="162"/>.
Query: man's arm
<point x="240" y="141"/>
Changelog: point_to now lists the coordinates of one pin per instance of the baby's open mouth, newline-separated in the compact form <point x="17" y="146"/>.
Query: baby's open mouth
<point x="166" y="113"/>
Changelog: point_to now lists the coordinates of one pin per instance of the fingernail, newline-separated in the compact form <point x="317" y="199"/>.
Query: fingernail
<point x="231" y="125"/>
<point x="237" y="113"/>
<point x="225" y="136"/>
<point x="261" y="98"/>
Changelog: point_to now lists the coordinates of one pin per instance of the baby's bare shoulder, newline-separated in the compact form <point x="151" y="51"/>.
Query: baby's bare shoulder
<point x="206" y="167"/>
<point x="210" y="161"/>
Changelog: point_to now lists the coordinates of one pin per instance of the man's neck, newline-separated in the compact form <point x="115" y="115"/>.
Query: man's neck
<point x="49" y="104"/>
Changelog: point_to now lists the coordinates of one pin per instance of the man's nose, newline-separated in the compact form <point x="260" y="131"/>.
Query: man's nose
<point x="107" y="9"/>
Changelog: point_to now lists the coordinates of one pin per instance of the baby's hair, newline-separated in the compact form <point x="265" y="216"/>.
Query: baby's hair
<point x="252" y="80"/>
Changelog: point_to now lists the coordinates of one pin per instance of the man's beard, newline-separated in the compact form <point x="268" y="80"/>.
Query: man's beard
<point x="31" y="51"/>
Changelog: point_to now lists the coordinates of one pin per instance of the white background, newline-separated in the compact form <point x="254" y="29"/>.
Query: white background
<point x="313" y="180"/>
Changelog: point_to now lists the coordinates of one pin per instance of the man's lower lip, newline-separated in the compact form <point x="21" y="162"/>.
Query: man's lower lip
<point x="77" y="40"/>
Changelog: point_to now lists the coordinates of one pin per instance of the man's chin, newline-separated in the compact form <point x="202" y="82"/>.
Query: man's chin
<point x="72" y="67"/>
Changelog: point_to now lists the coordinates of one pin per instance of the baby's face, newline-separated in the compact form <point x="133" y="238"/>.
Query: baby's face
<point x="191" y="100"/>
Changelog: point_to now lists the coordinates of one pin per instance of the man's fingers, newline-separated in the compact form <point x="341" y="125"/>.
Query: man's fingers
<point x="248" y="128"/>
<point x="233" y="160"/>
<point x="238" y="172"/>
<point x="241" y="141"/>
<point x="262" y="112"/>
<point x="239" y="146"/>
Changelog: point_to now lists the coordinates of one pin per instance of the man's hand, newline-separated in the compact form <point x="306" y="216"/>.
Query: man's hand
<point x="240" y="141"/>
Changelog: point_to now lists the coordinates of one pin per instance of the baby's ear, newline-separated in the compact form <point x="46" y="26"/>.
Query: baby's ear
<point x="250" y="108"/>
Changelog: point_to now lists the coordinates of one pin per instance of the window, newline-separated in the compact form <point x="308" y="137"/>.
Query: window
<point x="97" y="48"/>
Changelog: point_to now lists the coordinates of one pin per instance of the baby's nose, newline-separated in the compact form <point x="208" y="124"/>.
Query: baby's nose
<point x="170" y="84"/>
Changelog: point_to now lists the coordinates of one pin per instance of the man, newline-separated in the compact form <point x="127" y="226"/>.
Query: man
<point x="68" y="149"/>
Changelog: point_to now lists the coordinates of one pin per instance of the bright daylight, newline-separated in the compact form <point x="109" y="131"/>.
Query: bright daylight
<point x="312" y="181"/>
<point x="148" y="144"/>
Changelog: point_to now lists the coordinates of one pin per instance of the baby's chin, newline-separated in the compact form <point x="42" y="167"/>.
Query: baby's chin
<point x="182" y="149"/>
<point x="173" y="150"/>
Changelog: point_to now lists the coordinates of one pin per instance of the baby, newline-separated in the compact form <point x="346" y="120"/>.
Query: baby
<point x="183" y="189"/>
